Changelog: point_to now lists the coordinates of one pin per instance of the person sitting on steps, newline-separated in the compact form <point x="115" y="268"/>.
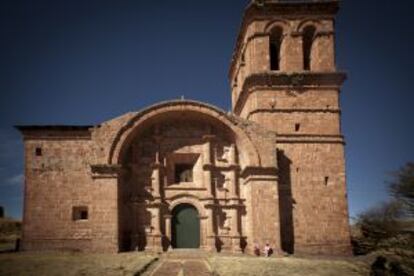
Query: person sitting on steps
<point x="268" y="251"/>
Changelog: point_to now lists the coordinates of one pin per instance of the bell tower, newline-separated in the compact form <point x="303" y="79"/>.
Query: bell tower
<point x="283" y="76"/>
<point x="284" y="46"/>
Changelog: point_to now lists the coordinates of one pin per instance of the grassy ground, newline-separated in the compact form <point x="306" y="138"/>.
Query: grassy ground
<point x="10" y="231"/>
<point x="239" y="266"/>
<point x="47" y="264"/>
<point x="7" y="246"/>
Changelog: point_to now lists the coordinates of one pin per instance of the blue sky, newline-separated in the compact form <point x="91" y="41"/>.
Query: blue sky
<point x="84" y="62"/>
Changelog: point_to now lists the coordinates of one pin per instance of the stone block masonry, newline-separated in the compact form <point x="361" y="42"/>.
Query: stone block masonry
<point x="272" y="171"/>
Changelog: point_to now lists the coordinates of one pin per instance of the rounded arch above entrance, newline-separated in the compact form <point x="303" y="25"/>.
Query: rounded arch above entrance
<point x="188" y="199"/>
<point x="188" y="109"/>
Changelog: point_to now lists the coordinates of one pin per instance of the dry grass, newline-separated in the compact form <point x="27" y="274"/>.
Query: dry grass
<point x="47" y="264"/>
<point x="7" y="246"/>
<point x="52" y="263"/>
<point x="10" y="231"/>
<point x="239" y="266"/>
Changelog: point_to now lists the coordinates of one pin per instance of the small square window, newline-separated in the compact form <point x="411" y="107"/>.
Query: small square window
<point x="183" y="173"/>
<point x="38" y="151"/>
<point x="80" y="213"/>
<point x="297" y="127"/>
<point x="326" y="180"/>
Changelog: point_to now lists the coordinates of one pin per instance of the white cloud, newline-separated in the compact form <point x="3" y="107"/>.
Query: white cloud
<point x="14" y="180"/>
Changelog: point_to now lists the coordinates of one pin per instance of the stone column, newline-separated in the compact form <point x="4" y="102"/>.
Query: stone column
<point x="207" y="150"/>
<point x="156" y="182"/>
<point x="207" y="182"/>
<point x="207" y="165"/>
<point x="292" y="50"/>
<point x="323" y="57"/>
<point x="168" y="226"/>
<point x="234" y="230"/>
<point x="156" y="177"/>
<point x="156" y="221"/>
<point x="258" y="49"/>
<point x="233" y="184"/>
<point x="168" y="229"/>
<point x="154" y="237"/>
<point x="234" y="173"/>
<point x="211" y="235"/>
<point x="232" y="155"/>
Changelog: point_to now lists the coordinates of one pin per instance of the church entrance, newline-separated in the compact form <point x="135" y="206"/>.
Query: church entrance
<point x="185" y="232"/>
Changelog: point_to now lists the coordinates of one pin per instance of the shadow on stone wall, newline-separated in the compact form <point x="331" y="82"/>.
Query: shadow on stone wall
<point x="285" y="203"/>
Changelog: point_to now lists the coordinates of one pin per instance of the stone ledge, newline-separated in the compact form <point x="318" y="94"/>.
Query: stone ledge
<point x="105" y="171"/>
<point x="310" y="138"/>
<point x="185" y="189"/>
<point x="295" y="80"/>
<point x="259" y="171"/>
<point x="294" y="110"/>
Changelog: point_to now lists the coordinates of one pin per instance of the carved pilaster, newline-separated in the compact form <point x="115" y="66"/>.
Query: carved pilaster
<point x="156" y="178"/>
<point x="207" y="165"/>
<point x="154" y="236"/>
<point x="233" y="184"/>
<point x="211" y="233"/>
<point x="232" y="155"/>
<point x="168" y="226"/>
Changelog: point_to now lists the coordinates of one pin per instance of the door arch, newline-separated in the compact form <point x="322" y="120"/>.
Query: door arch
<point x="185" y="227"/>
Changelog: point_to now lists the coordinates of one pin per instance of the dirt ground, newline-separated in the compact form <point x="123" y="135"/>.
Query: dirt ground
<point x="239" y="266"/>
<point x="68" y="264"/>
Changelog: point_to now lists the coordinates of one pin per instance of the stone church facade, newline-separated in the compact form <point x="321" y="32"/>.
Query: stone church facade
<point x="187" y="174"/>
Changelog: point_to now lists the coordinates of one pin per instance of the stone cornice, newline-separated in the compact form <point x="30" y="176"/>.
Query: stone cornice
<point x="297" y="80"/>
<point x="262" y="10"/>
<point x="293" y="110"/>
<point x="310" y="139"/>
<point x="54" y="127"/>
<point x="73" y="137"/>
<point x="229" y="167"/>
<point x="177" y="188"/>
<point x="259" y="171"/>
<point x="56" y="135"/>
<point x="105" y="171"/>
<point x="55" y="132"/>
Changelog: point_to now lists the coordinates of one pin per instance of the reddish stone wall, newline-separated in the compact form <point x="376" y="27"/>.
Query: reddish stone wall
<point x="284" y="183"/>
<point x="57" y="181"/>
<point x="302" y="107"/>
<point x="314" y="197"/>
<point x="72" y="171"/>
<point x="262" y="222"/>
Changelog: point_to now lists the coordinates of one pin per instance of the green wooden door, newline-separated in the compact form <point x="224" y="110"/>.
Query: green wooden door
<point x="185" y="227"/>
